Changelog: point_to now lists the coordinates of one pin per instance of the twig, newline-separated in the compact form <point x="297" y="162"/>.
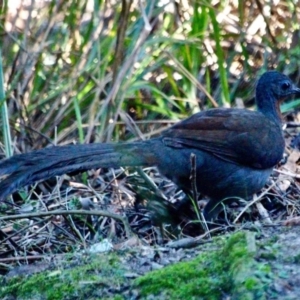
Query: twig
<point x="263" y="212"/>
<point x="254" y="201"/>
<point x="102" y="213"/>
<point x="288" y="173"/>
<point x="192" y="242"/>
<point x="150" y="182"/>
<point x="193" y="178"/>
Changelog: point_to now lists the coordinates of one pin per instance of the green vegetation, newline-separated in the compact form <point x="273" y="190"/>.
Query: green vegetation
<point x="227" y="267"/>
<point x="79" y="69"/>
<point x="85" y="71"/>
<point x="85" y="279"/>
<point x="230" y="270"/>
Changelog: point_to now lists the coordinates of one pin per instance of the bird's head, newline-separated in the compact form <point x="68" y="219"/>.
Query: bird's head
<point x="277" y="84"/>
<point x="272" y="88"/>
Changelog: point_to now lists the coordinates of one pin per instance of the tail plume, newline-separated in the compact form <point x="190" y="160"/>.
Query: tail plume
<point x="25" y="169"/>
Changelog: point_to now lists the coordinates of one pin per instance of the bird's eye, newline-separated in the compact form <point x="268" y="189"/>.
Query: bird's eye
<point x="285" y="86"/>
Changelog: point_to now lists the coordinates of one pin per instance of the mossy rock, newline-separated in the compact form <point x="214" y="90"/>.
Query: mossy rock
<point x="231" y="270"/>
<point x="90" y="279"/>
<point x="226" y="267"/>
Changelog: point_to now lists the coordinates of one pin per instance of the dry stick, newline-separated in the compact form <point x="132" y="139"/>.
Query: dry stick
<point x="128" y="63"/>
<point x="31" y="257"/>
<point x="195" y="192"/>
<point x="151" y="183"/>
<point x="292" y="124"/>
<point x="288" y="173"/>
<point x="121" y="33"/>
<point x="102" y="213"/>
<point x="131" y="124"/>
<point x="81" y="66"/>
<point x="38" y="47"/>
<point x="24" y="229"/>
<point x="193" y="177"/>
<point x="13" y="245"/>
<point x="254" y="201"/>
<point x="70" y="221"/>
<point x="263" y="212"/>
<point x="128" y="67"/>
<point x="145" y="17"/>
<point x="193" y="242"/>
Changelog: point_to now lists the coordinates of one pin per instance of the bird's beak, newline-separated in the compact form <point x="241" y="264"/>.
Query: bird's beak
<point x="296" y="90"/>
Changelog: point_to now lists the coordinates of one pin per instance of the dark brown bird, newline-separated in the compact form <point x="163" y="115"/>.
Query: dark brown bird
<point x="236" y="150"/>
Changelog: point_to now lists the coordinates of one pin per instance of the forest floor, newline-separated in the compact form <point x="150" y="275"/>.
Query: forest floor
<point x="254" y="263"/>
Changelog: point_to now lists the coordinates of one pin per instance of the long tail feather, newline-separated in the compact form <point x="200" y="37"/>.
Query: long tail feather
<point x="25" y="169"/>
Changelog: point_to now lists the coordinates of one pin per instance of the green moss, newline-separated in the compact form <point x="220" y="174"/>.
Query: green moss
<point x="118" y="297"/>
<point x="226" y="268"/>
<point x="296" y="259"/>
<point x="78" y="282"/>
<point x="231" y="270"/>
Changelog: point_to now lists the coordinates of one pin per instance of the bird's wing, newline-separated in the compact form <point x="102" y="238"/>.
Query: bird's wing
<point x="236" y="135"/>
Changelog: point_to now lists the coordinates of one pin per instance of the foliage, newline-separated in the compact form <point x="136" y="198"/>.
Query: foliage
<point x="84" y="71"/>
<point x="81" y="69"/>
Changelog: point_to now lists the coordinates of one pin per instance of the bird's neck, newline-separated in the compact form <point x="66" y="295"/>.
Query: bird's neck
<point x="269" y="106"/>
